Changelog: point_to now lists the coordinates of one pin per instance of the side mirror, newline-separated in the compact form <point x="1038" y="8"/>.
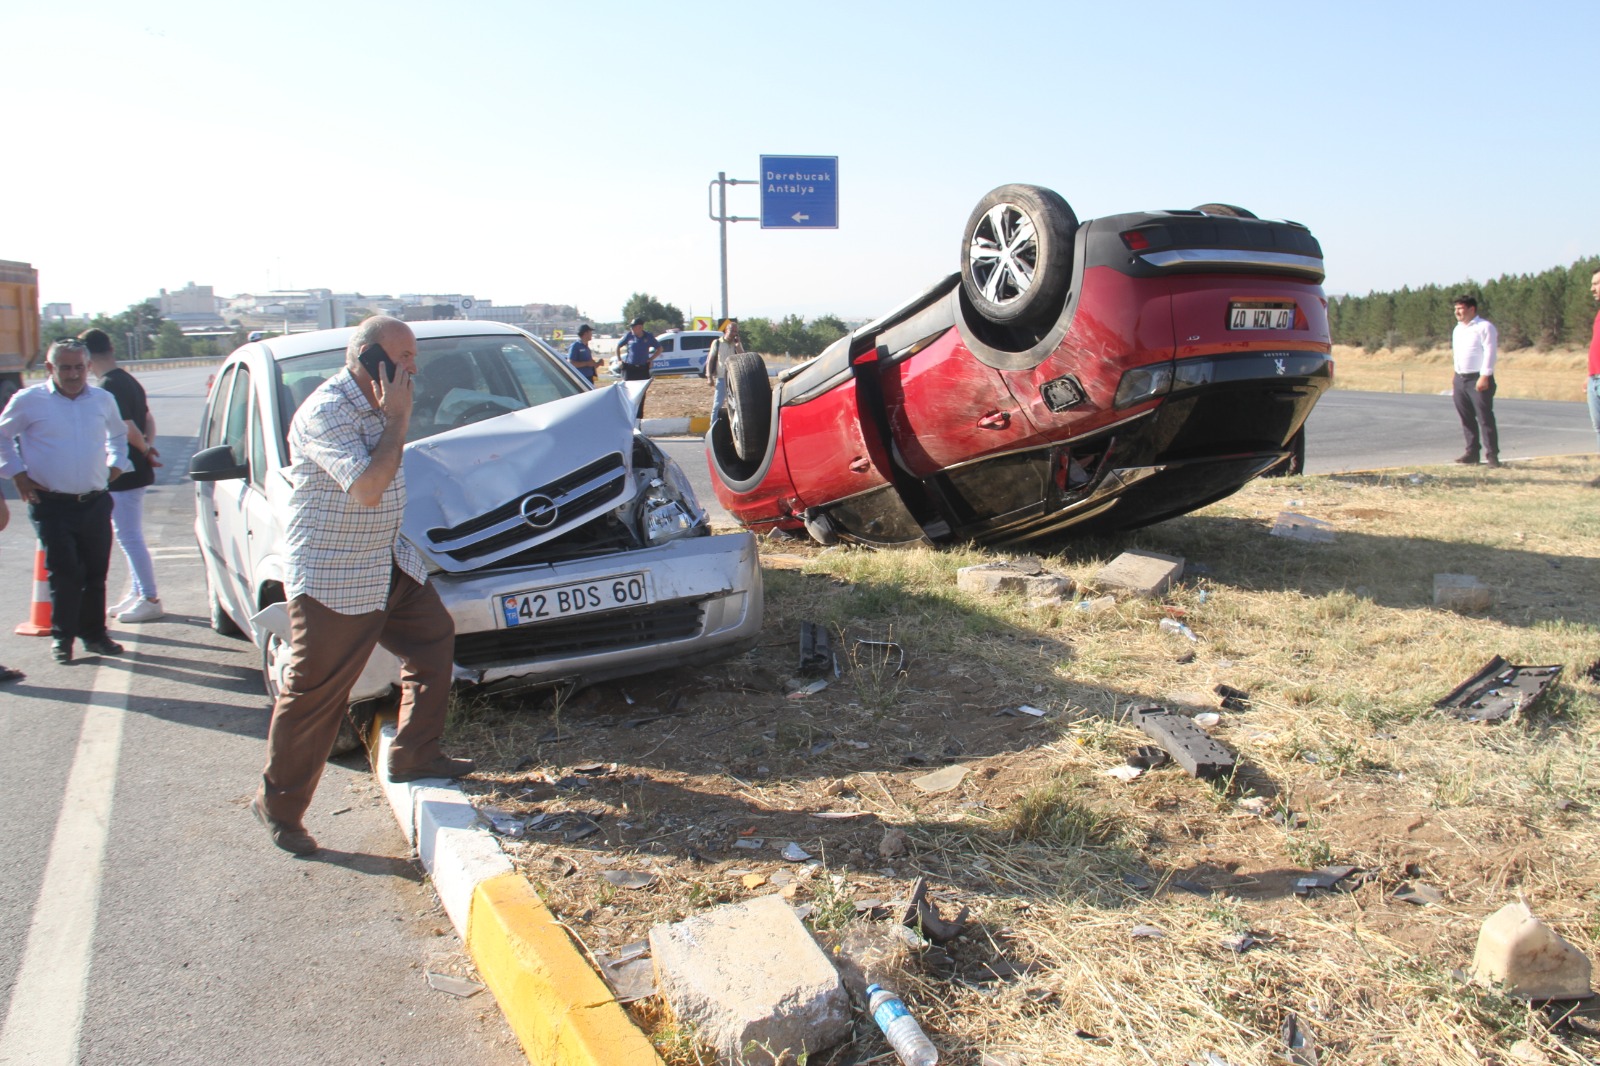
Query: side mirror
<point x="217" y="464"/>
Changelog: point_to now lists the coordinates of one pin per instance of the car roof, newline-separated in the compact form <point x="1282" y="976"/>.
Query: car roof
<point x="323" y="340"/>
<point x="691" y="333"/>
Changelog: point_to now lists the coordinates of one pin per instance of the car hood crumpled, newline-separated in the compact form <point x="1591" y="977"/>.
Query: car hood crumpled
<point x="461" y="474"/>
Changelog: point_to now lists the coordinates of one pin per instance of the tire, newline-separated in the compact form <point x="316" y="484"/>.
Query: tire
<point x="220" y="621"/>
<point x="749" y="404"/>
<point x="1016" y="255"/>
<point x="1226" y="210"/>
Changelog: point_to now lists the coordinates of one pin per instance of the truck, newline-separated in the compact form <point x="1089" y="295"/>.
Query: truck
<point x="19" y="324"/>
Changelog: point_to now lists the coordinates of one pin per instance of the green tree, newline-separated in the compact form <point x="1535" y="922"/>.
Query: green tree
<point x="657" y="315"/>
<point x="825" y="329"/>
<point x="1577" y="305"/>
<point x="171" y="343"/>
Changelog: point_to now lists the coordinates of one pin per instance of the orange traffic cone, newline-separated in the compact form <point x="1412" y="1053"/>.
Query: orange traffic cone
<point x="38" y="623"/>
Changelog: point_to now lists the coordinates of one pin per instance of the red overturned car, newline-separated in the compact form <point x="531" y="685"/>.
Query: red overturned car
<point x="1100" y="375"/>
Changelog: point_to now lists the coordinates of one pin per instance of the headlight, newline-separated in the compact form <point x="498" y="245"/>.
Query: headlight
<point x="1141" y="383"/>
<point x="669" y="509"/>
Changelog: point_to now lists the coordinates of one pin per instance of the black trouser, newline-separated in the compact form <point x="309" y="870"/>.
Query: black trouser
<point x="635" y="373"/>
<point x="1477" y="411"/>
<point x="76" y="535"/>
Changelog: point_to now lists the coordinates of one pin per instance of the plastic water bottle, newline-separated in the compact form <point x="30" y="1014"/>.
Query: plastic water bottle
<point x="900" y="1028"/>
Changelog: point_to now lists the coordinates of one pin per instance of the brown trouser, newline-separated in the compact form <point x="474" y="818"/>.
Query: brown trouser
<point x="327" y="651"/>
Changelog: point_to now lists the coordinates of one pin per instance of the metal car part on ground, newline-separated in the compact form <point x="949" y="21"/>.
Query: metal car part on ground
<point x="1092" y="376"/>
<point x="566" y="546"/>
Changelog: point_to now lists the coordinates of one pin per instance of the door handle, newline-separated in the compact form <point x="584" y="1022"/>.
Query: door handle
<point x="995" y="420"/>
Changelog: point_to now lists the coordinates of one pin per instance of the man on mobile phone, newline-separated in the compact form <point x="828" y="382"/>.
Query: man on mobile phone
<point x="353" y="582"/>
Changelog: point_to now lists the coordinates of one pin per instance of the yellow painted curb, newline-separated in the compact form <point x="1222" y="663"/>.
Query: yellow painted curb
<point x="699" y="424"/>
<point x="560" y="1009"/>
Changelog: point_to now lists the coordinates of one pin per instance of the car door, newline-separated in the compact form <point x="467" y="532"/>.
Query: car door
<point x="228" y="498"/>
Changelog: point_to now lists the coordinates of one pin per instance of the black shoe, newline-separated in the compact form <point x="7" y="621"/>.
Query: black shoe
<point x="443" y="766"/>
<point x="1492" y="462"/>
<point x="103" y="646"/>
<point x="1468" y="459"/>
<point x="61" y="651"/>
<point x="291" y="838"/>
<point x="8" y="674"/>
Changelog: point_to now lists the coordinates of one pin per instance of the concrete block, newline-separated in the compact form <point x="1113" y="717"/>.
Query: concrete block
<point x="1461" y="592"/>
<point x="1023" y="575"/>
<point x="1531" y="960"/>
<point x="455" y="849"/>
<point x="751" y="983"/>
<point x="1141" y="573"/>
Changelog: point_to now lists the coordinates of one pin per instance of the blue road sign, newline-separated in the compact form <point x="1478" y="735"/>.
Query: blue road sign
<point x="799" y="192"/>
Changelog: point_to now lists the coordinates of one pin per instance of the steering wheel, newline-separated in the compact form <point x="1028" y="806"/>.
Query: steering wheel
<point x="478" y="412"/>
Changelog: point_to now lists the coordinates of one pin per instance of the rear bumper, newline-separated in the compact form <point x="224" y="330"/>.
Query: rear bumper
<point x="706" y="604"/>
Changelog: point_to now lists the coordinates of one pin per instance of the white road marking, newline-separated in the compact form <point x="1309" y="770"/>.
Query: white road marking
<point x="46" y="1012"/>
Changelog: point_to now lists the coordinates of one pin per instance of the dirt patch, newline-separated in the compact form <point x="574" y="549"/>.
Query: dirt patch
<point x="676" y="397"/>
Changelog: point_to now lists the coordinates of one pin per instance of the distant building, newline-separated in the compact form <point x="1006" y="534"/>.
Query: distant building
<point x="191" y="306"/>
<point x="57" y="312"/>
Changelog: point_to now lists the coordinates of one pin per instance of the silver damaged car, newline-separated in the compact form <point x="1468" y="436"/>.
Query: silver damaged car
<point x="566" y="545"/>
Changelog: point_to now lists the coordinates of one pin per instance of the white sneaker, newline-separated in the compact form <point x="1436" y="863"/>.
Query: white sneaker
<point x="125" y="604"/>
<point x="142" y="611"/>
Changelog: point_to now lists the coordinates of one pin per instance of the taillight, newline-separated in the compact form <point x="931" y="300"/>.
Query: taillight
<point x="1135" y="240"/>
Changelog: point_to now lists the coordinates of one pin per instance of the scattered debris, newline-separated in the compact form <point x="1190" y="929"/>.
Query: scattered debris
<point x="1233" y="699"/>
<point x="889" y="648"/>
<point x="942" y="780"/>
<point x="1172" y="625"/>
<point x="793" y="852"/>
<point x="630" y="879"/>
<point x="1239" y="943"/>
<point x="1420" y="894"/>
<point x="1299" y="1045"/>
<point x="584" y="828"/>
<point x="1207" y="719"/>
<point x="503" y="822"/>
<point x="630" y="972"/>
<point x="895" y="843"/>
<point x="809" y="690"/>
<point x="1147" y="932"/>
<point x="1137" y="882"/>
<point x="816" y="651"/>
<point x="1302" y="528"/>
<point x="1498" y="691"/>
<point x="752" y="880"/>
<point x="1034" y="711"/>
<point x="1194" y="888"/>
<point x="1148" y="757"/>
<point x="750" y="843"/>
<point x="1098" y="604"/>
<point x="1124" y="772"/>
<point x="1326" y="877"/>
<point x="1529" y="958"/>
<point x="1141" y="573"/>
<point x="922" y="915"/>
<point x="455" y="986"/>
<point x="1193" y="749"/>
<point x="1461" y="592"/>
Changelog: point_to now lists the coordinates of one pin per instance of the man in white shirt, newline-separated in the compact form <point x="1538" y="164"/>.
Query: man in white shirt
<point x="62" y="442"/>
<point x="1477" y="344"/>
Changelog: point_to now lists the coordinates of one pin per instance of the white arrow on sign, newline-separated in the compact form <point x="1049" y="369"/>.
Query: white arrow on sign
<point x="798" y="217"/>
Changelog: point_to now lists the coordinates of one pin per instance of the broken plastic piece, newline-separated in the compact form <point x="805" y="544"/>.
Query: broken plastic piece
<point x="1185" y="742"/>
<point x="1303" y="528"/>
<point x="1148" y="757"/>
<point x="1299" y="1045"/>
<point x="889" y="646"/>
<point x="1420" y="894"/>
<point x="809" y="690"/>
<point x="629" y="878"/>
<point x="1498" y="691"/>
<point x="816" y="651"/>
<point x="794" y="852"/>
<point x="455" y="986"/>
<point x="922" y="915"/>
<point x="1150" y="932"/>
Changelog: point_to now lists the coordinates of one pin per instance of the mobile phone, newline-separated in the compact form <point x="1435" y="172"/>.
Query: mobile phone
<point x="376" y="362"/>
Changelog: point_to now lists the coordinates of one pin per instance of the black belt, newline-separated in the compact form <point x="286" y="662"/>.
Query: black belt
<point x="70" y="497"/>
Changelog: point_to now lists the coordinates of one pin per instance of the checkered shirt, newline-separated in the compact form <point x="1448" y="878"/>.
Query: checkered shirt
<point x="339" y="552"/>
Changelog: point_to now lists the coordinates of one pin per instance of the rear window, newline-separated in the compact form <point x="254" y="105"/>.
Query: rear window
<point x="460" y="380"/>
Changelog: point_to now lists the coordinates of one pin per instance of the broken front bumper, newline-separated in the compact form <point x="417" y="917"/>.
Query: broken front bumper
<point x="706" y="603"/>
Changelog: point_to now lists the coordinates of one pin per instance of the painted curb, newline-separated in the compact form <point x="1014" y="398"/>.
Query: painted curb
<point x="557" y="1005"/>
<point x="693" y="426"/>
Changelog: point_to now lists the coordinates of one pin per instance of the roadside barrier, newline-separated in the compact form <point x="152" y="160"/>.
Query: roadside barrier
<point x="38" y="623"/>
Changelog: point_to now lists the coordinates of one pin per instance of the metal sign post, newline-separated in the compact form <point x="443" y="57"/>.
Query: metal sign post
<point x="721" y="217"/>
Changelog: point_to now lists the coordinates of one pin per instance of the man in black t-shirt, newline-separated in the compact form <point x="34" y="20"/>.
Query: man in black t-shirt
<point x="143" y="602"/>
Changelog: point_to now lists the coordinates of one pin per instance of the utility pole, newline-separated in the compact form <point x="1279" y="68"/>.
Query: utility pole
<point x="720" y="216"/>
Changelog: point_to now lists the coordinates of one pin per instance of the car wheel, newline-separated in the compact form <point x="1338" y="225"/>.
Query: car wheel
<point x="749" y="404"/>
<point x="1227" y="210"/>
<point x="1016" y="254"/>
<point x="220" y="621"/>
<point x="274" y="657"/>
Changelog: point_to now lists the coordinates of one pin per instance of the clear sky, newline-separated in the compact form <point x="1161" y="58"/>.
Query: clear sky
<point x="560" y="152"/>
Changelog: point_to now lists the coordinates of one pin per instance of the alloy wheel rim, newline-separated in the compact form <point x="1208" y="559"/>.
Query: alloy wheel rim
<point x="1004" y="253"/>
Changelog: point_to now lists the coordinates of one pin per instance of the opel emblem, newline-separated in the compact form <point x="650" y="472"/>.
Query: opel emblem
<point x="538" y="511"/>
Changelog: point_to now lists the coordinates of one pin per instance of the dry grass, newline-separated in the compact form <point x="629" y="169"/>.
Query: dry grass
<point x="1524" y="374"/>
<point x="1343" y="760"/>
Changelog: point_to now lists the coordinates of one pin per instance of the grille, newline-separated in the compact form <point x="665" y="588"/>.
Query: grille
<point x="635" y="627"/>
<point x="588" y="487"/>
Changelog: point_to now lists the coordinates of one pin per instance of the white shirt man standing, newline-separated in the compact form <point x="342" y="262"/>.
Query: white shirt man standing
<point x="1477" y="345"/>
<point x="62" y="442"/>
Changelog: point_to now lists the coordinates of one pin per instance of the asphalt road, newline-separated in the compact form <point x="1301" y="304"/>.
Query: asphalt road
<point x="144" y="916"/>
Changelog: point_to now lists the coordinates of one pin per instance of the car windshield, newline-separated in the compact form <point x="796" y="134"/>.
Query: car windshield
<point x="460" y="380"/>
